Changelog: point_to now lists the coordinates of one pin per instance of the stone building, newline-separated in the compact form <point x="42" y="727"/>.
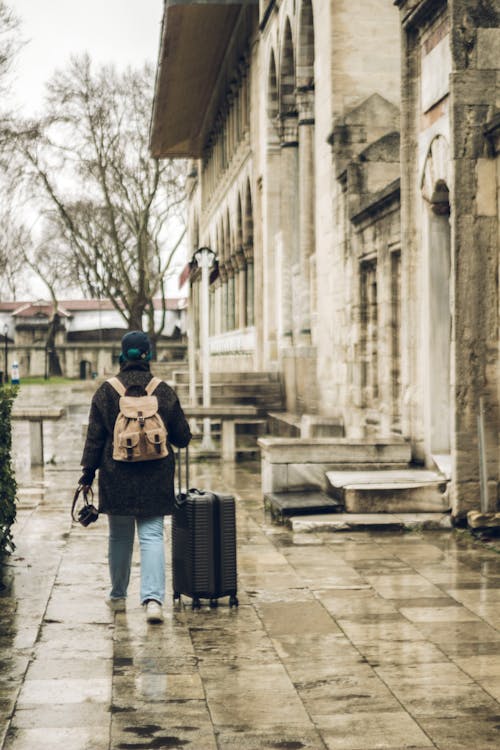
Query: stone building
<point x="344" y="168"/>
<point x="87" y="336"/>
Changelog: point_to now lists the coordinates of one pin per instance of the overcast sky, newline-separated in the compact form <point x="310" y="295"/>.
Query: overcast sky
<point x="124" y="32"/>
<point x="120" y="31"/>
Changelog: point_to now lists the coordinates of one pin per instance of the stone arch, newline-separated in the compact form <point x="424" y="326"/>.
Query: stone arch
<point x="273" y="104"/>
<point x="248" y="229"/>
<point x="239" y="225"/>
<point x="437" y="167"/>
<point x="287" y="103"/>
<point x="230" y="281"/>
<point x="248" y="221"/>
<point x="306" y="168"/>
<point x="228" y="236"/>
<point x="305" y="47"/>
<point x="222" y="240"/>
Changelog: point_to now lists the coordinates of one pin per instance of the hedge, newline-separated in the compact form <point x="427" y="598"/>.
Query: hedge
<point x="8" y="485"/>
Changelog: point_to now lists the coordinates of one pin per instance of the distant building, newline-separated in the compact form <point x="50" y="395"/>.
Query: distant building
<point x="87" y="336"/>
<point x="355" y="215"/>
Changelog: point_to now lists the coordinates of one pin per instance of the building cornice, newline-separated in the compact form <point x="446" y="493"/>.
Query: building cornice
<point x="376" y="203"/>
<point x="413" y="12"/>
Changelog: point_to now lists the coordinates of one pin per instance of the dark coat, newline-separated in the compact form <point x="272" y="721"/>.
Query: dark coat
<point x="137" y="489"/>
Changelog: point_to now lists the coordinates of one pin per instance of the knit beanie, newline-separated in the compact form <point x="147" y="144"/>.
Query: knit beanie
<point x="135" y="346"/>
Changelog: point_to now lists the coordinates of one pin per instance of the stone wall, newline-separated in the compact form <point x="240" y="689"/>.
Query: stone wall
<point x="77" y="359"/>
<point x="377" y="299"/>
<point x="450" y="231"/>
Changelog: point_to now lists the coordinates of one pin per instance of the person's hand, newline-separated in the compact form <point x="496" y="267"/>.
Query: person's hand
<point x="86" y="479"/>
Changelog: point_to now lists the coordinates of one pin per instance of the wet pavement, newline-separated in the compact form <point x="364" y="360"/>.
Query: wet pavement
<point x="345" y="641"/>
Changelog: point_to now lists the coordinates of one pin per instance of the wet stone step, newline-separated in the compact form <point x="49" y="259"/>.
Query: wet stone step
<point x="285" y="504"/>
<point x="412" y="490"/>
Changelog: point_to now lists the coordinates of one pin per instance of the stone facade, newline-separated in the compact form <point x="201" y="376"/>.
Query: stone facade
<point x="345" y="171"/>
<point x="450" y="225"/>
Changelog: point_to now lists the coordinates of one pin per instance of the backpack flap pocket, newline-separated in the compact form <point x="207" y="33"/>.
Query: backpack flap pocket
<point x="156" y="442"/>
<point x="126" y="447"/>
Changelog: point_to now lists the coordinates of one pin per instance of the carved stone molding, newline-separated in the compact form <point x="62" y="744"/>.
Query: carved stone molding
<point x="305" y="105"/>
<point x="289" y="130"/>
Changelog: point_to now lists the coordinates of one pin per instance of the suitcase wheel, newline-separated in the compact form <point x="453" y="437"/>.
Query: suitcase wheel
<point x="196" y="603"/>
<point x="177" y="596"/>
<point x="214" y="603"/>
<point x="233" y="601"/>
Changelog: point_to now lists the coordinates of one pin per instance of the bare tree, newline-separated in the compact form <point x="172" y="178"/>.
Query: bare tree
<point x="9" y="41"/>
<point x="13" y="240"/>
<point x="118" y="211"/>
<point x="50" y="260"/>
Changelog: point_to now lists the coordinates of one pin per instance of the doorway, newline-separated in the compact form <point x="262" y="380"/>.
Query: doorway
<point x="439" y="322"/>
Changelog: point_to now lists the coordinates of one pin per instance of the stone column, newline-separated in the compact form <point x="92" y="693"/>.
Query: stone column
<point x="223" y="296"/>
<point x="218" y="307"/>
<point x="288" y="222"/>
<point x="305" y="100"/>
<point x="230" y="295"/>
<point x="248" y="286"/>
<point x="241" y="292"/>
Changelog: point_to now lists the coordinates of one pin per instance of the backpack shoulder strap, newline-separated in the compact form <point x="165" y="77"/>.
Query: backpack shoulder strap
<point x="117" y="385"/>
<point x="152" y="385"/>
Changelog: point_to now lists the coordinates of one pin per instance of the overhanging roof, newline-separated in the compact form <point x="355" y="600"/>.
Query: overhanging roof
<point x="194" y="39"/>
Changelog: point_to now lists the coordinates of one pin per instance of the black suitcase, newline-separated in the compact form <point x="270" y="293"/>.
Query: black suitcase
<point x="203" y="544"/>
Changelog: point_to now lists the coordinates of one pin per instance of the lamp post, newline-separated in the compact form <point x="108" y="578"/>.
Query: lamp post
<point x="6" y="354"/>
<point x="204" y="258"/>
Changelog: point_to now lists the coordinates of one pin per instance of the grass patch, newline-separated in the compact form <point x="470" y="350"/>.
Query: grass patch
<point x="56" y="380"/>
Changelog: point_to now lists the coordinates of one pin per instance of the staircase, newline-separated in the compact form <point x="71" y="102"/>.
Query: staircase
<point x="337" y="475"/>
<point x="263" y="390"/>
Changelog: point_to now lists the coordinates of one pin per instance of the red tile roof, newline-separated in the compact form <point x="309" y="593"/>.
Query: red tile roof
<point x="66" y="307"/>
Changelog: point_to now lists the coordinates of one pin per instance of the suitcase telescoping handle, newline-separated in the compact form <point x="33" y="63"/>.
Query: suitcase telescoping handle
<point x="179" y="453"/>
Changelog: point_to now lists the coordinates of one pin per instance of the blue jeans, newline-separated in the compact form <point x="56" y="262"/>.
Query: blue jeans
<point x="120" y="547"/>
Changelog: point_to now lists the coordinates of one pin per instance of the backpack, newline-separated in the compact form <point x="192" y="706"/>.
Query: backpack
<point x="139" y="433"/>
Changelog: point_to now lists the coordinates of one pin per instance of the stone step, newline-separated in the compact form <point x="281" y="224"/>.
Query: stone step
<point x="338" y="522"/>
<point x="246" y="446"/>
<point x="288" y="424"/>
<point x="182" y="377"/>
<point x="264" y="400"/>
<point x="410" y="490"/>
<point x="233" y="390"/>
<point x="332" y="451"/>
<point x="281" y="505"/>
<point x="284" y="424"/>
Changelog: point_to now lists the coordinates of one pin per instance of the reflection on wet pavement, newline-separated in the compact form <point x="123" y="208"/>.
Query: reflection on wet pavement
<point x="344" y="641"/>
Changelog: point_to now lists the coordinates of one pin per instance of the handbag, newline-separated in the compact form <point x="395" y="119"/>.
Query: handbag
<point x="88" y="513"/>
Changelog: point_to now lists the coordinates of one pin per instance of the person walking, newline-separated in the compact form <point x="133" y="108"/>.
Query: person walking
<point x="138" y="493"/>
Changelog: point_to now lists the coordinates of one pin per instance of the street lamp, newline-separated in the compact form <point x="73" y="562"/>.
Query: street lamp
<point x="204" y="258"/>
<point x="6" y="353"/>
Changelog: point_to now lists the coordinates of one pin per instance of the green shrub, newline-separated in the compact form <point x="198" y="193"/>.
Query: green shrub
<point x="8" y="486"/>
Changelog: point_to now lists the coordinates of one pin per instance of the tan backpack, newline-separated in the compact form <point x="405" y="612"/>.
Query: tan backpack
<point x="139" y="433"/>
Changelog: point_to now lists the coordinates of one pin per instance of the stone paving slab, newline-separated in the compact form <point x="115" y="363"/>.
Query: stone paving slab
<point x="369" y="639"/>
<point x="331" y="522"/>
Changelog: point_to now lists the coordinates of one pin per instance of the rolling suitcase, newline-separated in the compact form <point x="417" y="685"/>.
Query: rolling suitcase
<point x="203" y="544"/>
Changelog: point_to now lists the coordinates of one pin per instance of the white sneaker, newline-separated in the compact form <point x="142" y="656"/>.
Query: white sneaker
<point x="117" y="605"/>
<point x="154" y="612"/>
